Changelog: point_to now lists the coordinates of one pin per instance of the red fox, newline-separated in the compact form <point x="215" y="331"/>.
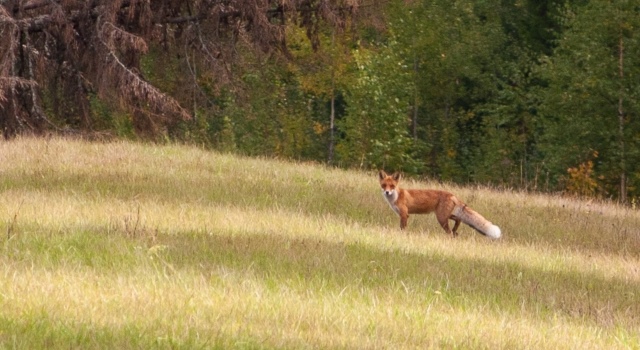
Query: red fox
<point x="445" y="205"/>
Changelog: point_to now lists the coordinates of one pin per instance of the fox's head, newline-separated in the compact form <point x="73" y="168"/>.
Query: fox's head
<point x="389" y="183"/>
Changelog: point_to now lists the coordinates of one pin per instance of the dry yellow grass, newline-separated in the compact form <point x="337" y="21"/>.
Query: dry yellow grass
<point x="129" y="245"/>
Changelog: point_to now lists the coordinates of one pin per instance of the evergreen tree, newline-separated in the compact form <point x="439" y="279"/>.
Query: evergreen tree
<point x="590" y="107"/>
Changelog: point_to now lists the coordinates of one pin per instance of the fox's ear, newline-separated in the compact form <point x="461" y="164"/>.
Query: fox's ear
<point x="396" y="176"/>
<point x="382" y="174"/>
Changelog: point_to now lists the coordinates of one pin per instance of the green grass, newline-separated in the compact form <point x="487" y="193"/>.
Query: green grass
<point x="125" y="245"/>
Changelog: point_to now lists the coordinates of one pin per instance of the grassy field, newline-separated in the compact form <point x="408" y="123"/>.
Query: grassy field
<point x="123" y="245"/>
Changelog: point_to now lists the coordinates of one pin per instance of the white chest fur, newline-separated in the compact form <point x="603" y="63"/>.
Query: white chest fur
<point x="391" y="198"/>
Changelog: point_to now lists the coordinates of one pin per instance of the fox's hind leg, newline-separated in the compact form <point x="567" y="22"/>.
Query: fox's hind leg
<point x="455" y="227"/>
<point x="444" y="222"/>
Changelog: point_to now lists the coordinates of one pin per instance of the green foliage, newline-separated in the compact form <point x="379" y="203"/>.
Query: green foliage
<point x="270" y="120"/>
<point x="110" y="119"/>
<point x="323" y="76"/>
<point x="436" y="83"/>
<point x="376" y="124"/>
<point x="227" y="142"/>
<point x="592" y="78"/>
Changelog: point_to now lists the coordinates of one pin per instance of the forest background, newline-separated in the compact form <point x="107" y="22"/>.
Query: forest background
<point x="537" y="95"/>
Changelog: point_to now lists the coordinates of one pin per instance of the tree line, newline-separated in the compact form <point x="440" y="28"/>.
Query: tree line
<point x="538" y="95"/>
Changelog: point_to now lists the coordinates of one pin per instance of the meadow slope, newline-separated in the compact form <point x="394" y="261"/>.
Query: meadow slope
<point x="128" y="245"/>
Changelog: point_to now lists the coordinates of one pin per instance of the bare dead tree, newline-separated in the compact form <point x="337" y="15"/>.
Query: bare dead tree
<point x="56" y="54"/>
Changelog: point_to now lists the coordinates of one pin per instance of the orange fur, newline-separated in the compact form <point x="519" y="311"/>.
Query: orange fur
<point x="444" y="204"/>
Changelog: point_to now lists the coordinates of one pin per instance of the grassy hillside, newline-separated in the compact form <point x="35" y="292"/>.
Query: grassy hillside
<point x="123" y="245"/>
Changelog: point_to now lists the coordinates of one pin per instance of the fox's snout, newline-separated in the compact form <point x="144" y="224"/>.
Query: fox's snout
<point x="388" y="189"/>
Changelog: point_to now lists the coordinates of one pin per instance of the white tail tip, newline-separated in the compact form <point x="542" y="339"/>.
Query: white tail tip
<point x="494" y="232"/>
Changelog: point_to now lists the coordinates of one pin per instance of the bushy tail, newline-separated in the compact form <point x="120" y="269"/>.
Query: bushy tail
<point x="477" y="221"/>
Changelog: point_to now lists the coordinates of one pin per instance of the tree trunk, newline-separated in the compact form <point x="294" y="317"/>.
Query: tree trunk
<point x="332" y="117"/>
<point x="623" y="175"/>
<point x="414" y="119"/>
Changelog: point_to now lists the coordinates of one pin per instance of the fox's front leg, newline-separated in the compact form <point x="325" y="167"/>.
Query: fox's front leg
<point x="403" y="221"/>
<point x="404" y="216"/>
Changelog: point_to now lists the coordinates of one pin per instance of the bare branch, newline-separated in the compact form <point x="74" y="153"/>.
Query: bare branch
<point x="110" y="34"/>
<point x="11" y="83"/>
<point x="133" y="88"/>
<point x="31" y="5"/>
<point x="32" y="24"/>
